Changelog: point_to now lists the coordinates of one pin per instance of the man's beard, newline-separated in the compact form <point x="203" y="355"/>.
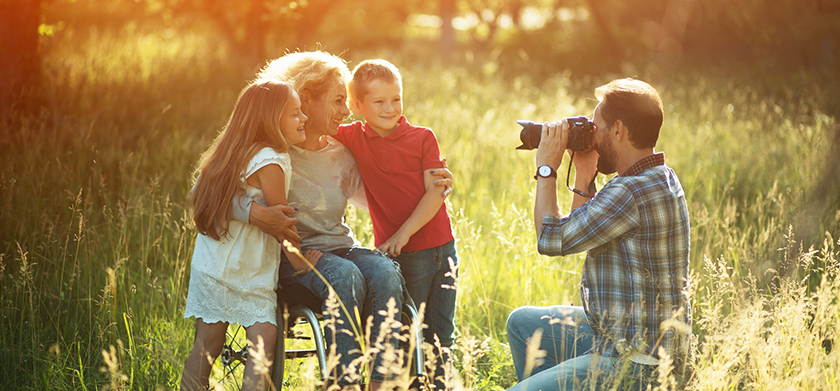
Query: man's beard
<point x="606" y="158"/>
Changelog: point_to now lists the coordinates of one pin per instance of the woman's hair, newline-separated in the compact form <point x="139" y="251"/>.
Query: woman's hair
<point x="253" y="125"/>
<point x="316" y="72"/>
<point x="368" y="71"/>
<point x="635" y="103"/>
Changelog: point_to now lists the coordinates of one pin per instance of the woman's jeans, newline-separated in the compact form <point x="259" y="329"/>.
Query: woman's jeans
<point x="430" y="277"/>
<point x="566" y="336"/>
<point x="362" y="279"/>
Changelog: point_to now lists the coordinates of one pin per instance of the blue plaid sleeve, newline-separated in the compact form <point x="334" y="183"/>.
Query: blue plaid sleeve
<point x="611" y="214"/>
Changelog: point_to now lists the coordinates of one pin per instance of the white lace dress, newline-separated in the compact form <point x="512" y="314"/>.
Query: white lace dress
<point x="234" y="279"/>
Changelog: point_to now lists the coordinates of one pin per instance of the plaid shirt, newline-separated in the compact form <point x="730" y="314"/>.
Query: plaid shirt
<point x="635" y="276"/>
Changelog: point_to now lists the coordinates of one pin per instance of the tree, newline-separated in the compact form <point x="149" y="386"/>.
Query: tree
<point x="251" y="24"/>
<point x="20" y="62"/>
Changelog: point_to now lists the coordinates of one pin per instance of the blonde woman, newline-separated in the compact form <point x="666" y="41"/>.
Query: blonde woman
<point x="326" y="177"/>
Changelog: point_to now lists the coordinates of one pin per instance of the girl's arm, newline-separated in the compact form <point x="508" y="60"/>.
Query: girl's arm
<point x="423" y="213"/>
<point x="272" y="180"/>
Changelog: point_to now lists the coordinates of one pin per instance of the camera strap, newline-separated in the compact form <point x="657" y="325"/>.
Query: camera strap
<point x="591" y="190"/>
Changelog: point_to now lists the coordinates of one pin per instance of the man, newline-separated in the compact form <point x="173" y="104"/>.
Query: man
<point x="634" y="289"/>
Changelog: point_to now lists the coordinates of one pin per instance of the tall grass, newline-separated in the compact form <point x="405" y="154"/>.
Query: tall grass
<point x="96" y="241"/>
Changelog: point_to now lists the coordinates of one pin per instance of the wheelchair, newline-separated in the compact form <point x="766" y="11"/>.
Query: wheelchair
<point x="300" y="308"/>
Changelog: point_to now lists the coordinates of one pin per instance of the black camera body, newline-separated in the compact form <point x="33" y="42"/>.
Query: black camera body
<point x="581" y="133"/>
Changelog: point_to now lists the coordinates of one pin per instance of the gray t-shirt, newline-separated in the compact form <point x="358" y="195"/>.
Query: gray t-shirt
<point x="322" y="183"/>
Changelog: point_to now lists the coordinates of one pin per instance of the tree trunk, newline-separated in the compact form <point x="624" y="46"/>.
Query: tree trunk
<point x="20" y="61"/>
<point x="616" y="53"/>
<point x="447" y="32"/>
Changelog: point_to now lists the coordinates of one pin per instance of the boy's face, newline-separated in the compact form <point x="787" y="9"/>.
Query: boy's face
<point x="381" y="106"/>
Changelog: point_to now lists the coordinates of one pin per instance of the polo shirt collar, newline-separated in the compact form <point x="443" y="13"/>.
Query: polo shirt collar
<point x="657" y="159"/>
<point x="402" y="128"/>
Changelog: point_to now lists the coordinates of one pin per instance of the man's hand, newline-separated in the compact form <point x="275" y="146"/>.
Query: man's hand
<point x="275" y="221"/>
<point x="586" y="164"/>
<point x="553" y="141"/>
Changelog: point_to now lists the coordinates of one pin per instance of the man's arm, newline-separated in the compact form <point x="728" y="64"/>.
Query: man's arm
<point x="554" y="139"/>
<point x="553" y="142"/>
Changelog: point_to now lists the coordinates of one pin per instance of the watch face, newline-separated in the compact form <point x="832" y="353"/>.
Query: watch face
<point x="545" y="171"/>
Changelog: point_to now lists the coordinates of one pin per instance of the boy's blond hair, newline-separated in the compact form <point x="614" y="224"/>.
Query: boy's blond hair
<point x="370" y="70"/>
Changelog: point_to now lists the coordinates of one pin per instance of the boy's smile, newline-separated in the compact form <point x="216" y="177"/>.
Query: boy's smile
<point x="381" y="106"/>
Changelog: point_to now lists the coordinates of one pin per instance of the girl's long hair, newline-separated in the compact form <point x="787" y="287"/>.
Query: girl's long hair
<point x="253" y="125"/>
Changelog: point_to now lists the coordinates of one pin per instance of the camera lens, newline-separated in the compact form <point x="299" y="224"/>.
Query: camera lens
<point x="529" y="135"/>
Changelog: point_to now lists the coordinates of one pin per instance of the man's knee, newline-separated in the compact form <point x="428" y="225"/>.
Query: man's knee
<point x="516" y="318"/>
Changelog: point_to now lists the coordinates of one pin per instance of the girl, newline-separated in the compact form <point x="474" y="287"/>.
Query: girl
<point x="234" y="265"/>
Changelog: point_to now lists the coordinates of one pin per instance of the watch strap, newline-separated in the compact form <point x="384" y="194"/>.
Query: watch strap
<point x="553" y="173"/>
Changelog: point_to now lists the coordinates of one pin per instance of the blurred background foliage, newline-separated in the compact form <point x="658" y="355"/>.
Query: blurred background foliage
<point x="106" y="104"/>
<point x="584" y="36"/>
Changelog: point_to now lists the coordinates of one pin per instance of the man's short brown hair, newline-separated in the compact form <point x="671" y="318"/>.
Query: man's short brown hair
<point x="637" y="105"/>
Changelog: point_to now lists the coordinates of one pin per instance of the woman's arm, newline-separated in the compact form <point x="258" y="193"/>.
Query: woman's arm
<point x="423" y="213"/>
<point x="272" y="180"/>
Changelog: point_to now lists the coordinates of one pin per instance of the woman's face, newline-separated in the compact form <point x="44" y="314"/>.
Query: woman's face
<point x="327" y="111"/>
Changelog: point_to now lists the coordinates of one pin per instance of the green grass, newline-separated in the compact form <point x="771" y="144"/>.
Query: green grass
<point x="96" y="240"/>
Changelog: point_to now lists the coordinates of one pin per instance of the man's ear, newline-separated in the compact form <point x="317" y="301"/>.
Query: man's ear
<point x="619" y="130"/>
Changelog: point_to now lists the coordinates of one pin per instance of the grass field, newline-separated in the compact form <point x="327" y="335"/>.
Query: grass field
<point x="95" y="241"/>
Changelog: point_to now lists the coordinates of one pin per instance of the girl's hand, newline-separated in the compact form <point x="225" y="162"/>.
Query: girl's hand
<point x="393" y="246"/>
<point x="313" y="256"/>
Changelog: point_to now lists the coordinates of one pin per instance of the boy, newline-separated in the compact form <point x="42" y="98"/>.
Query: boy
<point x="410" y="221"/>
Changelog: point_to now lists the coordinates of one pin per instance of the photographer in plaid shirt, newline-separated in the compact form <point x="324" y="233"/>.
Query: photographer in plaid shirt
<point x="634" y="287"/>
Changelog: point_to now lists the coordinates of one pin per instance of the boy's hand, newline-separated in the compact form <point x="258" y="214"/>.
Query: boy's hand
<point x="393" y="246"/>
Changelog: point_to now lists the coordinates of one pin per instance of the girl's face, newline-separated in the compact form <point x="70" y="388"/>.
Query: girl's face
<point x="292" y="120"/>
<point x="327" y="112"/>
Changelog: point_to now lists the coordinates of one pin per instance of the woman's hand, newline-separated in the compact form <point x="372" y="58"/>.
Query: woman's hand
<point x="393" y="246"/>
<point x="275" y="221"/>
<point x="443" y="178"/>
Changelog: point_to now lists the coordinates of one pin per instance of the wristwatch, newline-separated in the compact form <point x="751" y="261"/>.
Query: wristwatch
<point x="545" y="171"/>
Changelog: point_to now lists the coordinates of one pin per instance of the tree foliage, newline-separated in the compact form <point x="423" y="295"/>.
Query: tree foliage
<point x="20" y="62"/>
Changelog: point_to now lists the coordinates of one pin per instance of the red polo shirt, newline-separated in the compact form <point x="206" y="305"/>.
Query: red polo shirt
<point x="392" y="170"/>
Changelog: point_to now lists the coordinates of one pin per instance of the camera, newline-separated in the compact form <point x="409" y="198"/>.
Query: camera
<point x="581" y="133"/>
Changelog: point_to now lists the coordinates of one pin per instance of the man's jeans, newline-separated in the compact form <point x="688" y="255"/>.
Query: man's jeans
<point x="361" y="279"/>
<point x="566" y="336"/>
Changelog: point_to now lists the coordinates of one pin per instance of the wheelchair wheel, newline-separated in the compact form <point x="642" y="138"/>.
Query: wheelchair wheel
<point x="228" y="370"/>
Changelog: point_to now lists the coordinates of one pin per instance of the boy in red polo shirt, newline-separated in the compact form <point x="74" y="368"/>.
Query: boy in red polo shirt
<point x="410" y="221"/>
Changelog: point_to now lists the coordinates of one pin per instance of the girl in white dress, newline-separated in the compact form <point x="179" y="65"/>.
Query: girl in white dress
<point x="234" y="270"/>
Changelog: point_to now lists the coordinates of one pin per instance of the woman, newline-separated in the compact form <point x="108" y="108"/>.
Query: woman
<point x="325" y="178"/>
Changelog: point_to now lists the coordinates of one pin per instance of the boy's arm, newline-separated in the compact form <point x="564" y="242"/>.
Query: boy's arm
<point x="272" y="180"/>
<point x="423" y="213"/>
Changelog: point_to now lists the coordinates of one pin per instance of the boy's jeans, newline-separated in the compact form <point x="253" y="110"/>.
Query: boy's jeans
<point x="566" y="335"/>
<point x="361" y="279"/>
<point x="430" y="277"/>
